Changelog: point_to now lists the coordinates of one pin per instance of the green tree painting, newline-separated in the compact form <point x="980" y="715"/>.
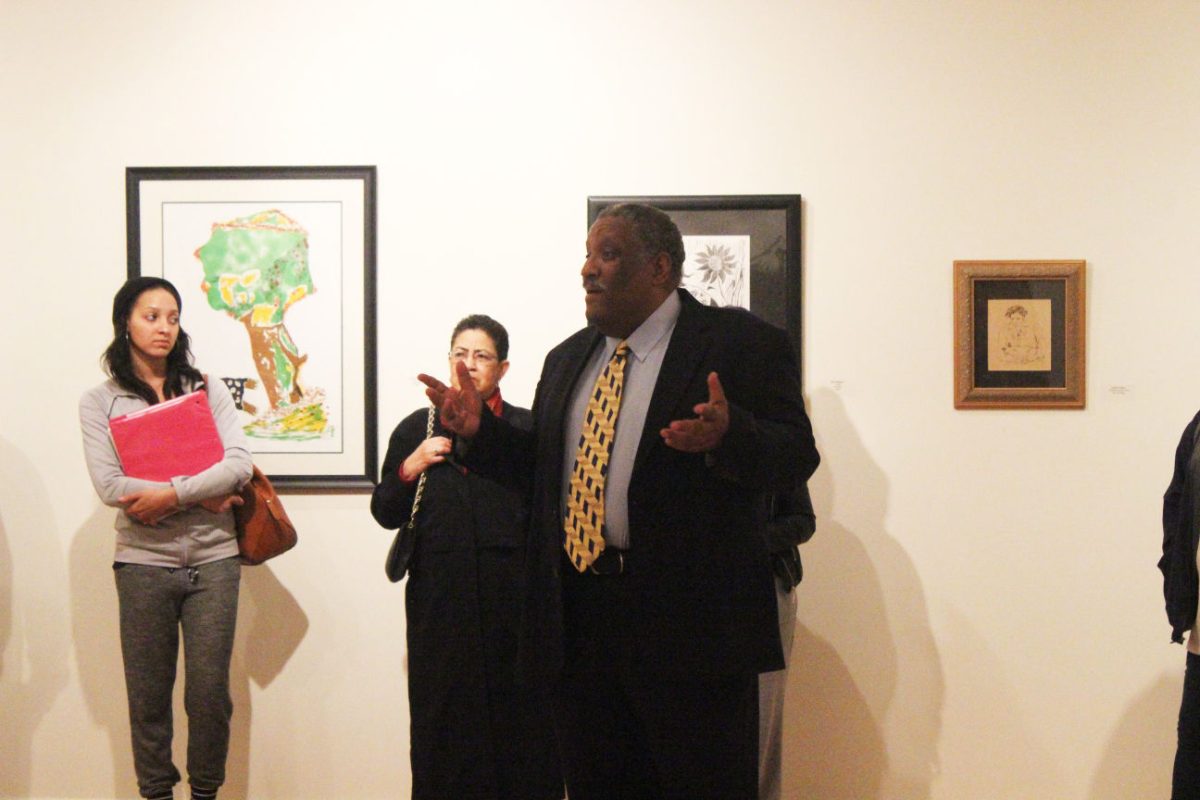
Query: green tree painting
<point x="255" y="269"/>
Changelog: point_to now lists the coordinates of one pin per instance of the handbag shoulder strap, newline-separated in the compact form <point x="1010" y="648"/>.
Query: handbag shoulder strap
<point x="412" y="519"/>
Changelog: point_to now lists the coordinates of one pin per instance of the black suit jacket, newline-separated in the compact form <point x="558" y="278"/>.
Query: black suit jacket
<point x="698" y="558"/>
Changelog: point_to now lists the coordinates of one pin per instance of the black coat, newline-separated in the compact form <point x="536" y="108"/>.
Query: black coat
<point x="700" y="570"/>
<point x="1181" y="518"/>
<point x="475" y="732"/>
<point x="791" y="522"/>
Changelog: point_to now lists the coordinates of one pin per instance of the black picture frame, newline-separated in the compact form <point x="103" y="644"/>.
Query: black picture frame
<point x="310" y="408"/>
<point x="773" y="224"/>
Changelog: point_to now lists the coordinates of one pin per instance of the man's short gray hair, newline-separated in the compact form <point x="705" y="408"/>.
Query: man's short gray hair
<point x="656" y="232"/>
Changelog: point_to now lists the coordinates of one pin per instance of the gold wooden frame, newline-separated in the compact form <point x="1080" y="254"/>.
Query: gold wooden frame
<point x="1061" y="385"/>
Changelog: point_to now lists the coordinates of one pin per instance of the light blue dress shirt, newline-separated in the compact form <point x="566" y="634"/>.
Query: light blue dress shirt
<point x="647" y="347"/>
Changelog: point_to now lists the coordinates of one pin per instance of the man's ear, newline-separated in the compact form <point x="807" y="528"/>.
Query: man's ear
<point x="661" y="271"/>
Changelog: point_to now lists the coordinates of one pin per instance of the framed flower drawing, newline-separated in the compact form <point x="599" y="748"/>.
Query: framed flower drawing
<point x="741" y="250"/>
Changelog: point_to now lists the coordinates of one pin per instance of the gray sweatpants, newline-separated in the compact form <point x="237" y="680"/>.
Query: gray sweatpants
<point x="155" y="602"/>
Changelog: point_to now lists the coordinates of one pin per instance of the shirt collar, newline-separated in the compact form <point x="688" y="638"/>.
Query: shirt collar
<point x="652" y="331"/>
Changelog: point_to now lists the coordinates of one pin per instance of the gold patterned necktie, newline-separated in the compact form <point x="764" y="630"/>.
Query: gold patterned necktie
<point x="584" y="519"/>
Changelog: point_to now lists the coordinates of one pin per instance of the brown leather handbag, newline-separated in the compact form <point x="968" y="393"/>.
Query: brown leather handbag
<point x="263" y="527"/>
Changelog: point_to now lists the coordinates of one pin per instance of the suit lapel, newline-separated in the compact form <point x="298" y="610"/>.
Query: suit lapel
<point x="560" y="385"/>
<point x="689" y="344"/>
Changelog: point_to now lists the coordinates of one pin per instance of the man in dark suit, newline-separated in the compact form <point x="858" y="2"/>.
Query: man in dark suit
<point x="655" y="644"/>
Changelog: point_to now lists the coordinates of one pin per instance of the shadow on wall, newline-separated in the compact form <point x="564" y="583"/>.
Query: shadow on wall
<point x="1022" y="766"/>
<point x="271" y="625"/>
<point x="865" y="691"/>
<point x="97" y="639"/>
<point x="1132" y="764"/>
<point x="34" y="652"/>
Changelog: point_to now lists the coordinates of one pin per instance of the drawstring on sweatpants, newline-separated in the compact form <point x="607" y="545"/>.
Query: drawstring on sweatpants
<point x="193" y="574"/>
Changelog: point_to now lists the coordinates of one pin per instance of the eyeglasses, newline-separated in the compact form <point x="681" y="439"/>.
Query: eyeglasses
<point x="481" y="357"/>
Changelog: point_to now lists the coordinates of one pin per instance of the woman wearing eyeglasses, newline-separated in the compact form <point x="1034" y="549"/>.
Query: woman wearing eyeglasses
<point x="475" y="733"/>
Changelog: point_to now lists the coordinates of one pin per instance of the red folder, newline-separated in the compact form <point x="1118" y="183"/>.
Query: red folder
<point x="170" y="439"/>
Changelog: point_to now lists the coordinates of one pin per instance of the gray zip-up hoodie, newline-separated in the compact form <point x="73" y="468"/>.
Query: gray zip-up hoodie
<point x="193" y="535"/>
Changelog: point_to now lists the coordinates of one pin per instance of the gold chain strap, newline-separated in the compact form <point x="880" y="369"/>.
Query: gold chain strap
<point x="412" y="520"/>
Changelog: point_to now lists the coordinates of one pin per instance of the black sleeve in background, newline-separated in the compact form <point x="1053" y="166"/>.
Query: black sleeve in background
<point x="790" y="519"/>
<point x="391" y="502"/>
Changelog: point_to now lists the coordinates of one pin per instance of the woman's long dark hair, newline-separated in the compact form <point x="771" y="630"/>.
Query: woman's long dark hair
<point x="117" y="359"/>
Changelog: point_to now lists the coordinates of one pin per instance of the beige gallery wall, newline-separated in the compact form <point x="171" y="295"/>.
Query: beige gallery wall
<point x="981" y="617"/>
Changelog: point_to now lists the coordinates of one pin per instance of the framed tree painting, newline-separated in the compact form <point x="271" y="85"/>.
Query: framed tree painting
<point x="276" y="268"/>
<point x="741" y="250"/>
<point x="1019" y="334"/>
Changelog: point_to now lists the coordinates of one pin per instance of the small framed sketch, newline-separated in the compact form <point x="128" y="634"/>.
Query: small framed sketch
<point x="1019" y="334"/>
<point x="741" y="250"/>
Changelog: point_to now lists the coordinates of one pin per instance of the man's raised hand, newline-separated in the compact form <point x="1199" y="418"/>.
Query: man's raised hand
<point x="459" y="407"/>
<point x="707" y="429"/>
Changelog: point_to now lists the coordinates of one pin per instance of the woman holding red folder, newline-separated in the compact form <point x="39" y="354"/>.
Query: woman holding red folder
<point x="176" y="562"/>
